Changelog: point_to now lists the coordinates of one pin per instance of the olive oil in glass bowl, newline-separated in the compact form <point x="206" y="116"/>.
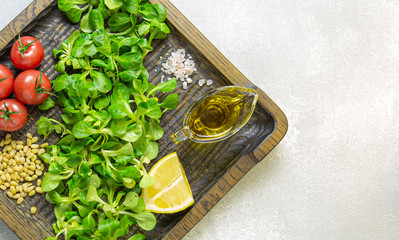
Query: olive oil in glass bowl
<point x="218" y="114"/>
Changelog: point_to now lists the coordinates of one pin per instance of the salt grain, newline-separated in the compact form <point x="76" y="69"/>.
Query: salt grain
<point x="189" y="80"/>
<point x="184" y="85"/>
<point x="209" y="82"/>
<point x="201" y="82"/>
<point x="178" y="65"/>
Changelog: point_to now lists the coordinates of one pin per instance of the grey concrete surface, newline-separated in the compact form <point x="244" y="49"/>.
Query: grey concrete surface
<point x="333" y="68"/>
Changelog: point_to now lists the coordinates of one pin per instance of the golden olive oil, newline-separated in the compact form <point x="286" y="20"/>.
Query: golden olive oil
<point x="215" y="115"/>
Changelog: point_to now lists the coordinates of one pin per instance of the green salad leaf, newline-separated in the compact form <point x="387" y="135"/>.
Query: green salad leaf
<point x="110" y="121"/>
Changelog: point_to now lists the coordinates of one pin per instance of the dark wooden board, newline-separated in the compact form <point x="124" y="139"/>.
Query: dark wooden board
<point x="212" y="169"/>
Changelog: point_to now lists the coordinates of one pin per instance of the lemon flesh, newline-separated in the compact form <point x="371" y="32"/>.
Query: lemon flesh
<point x="171" y="191"/>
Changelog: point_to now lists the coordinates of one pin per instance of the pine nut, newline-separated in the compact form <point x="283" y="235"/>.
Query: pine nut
<point x="32" y="167"/>
<point x="7" y="141"/>
<point x="30" y="188"/>
<point x="16" y="196"/>
<point x="39" y="182"/>
<point x="15" y="176"/>
<point x="2" y="143"/>
<point x="20" y="200"/>
<point x="9" y="194"/>
<point x="12" y="190"/>
<point x="39" y="190"/>
<point x="35" y="150"/>
<point x="25" y="188"/>
<point x="23" y="194"/>
<point x="8" y="136"/>
<point x="19" y="147"/>
<point x="33" y="210"/>
<point x="7" y="184"/>
<point x="13" y="144"/>
<point x="35" y="139"/>
<point x="29" y="135"/>
<point x="2" y="187"/>
<point x="41" y="151"/>
<point x="31" y="193"/>
<point x="44" y="145"/>
<point x="12" y="162"/>
<point x="34" y="146"/>
<point x="29" y="142"/>
<point x="8" y="177"/>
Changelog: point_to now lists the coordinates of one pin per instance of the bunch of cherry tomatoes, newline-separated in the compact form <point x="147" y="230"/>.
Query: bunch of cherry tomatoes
<point x="30" y="87"/>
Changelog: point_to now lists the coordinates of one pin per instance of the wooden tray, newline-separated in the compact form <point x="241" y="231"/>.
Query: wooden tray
<point x="212" y="169"/>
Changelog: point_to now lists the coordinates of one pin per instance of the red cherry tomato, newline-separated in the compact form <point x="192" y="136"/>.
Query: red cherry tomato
<point x="13" y="115"/>
<point x="31" y="50"/>
<point x="32" y="87"/>
<point x="6" y="82"/>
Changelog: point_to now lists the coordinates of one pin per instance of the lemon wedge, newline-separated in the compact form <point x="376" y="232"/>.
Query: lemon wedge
<point x="171" y="191"/>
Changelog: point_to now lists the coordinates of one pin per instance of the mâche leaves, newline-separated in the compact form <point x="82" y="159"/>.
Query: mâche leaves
<point x="110" y="120"/>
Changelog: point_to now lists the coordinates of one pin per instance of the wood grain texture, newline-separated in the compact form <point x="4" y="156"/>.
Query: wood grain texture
<point x="22" y="20"/>
<point x="212" y="169"/>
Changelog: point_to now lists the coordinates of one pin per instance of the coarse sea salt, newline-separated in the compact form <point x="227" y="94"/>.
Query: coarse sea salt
<point x="178" y="65"/>
<point x="201" y="82"/>
<point x="181" y="66"/>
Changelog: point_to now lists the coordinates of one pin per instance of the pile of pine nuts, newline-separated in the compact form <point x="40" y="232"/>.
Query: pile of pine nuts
<point x="20" y="166"/>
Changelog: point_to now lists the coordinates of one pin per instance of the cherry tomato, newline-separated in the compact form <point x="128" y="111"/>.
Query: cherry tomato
<point x="6" y="82"/>
<point x="26" y="53"/>
<point x="13" y="115"/>
<point x="32" y="87"/>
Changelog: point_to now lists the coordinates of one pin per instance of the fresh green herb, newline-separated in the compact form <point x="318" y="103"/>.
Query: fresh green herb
<point x="110" y="120"/>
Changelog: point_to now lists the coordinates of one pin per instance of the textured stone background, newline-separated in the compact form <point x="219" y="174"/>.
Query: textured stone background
<point x="332" y="66"/>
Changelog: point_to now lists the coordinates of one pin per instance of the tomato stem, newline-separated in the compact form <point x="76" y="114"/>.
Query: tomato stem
<point x="3" y="79"/>
<point x="7" y="114"/>
<point x="23" y="48"/>
<point x="38" y="87"/>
